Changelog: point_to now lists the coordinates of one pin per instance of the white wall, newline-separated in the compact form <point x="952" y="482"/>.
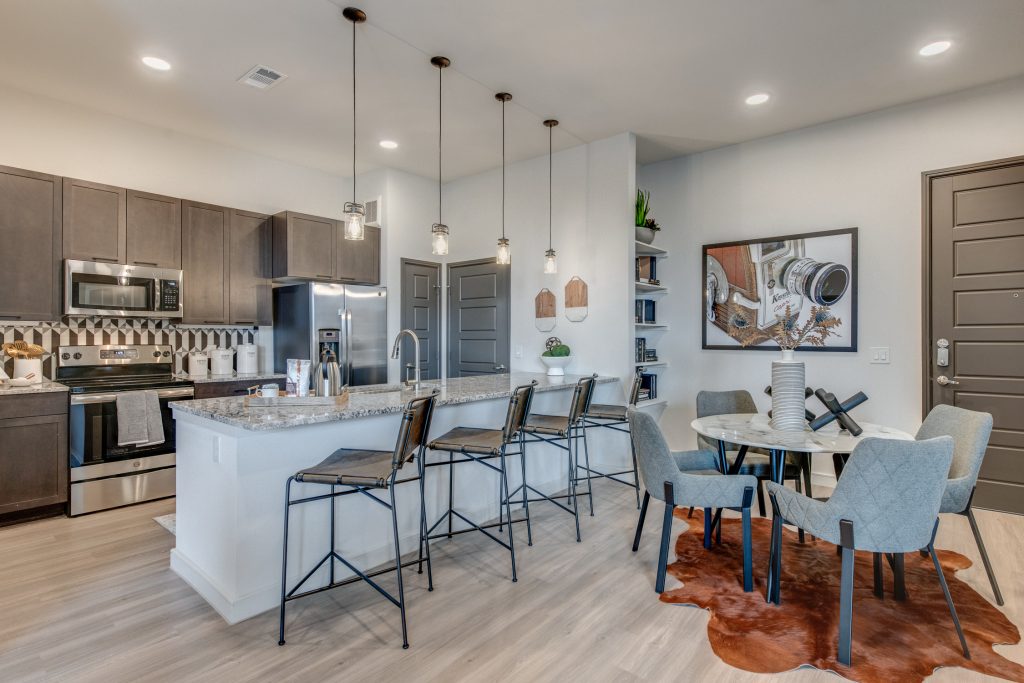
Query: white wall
<point x="863" y="171"/>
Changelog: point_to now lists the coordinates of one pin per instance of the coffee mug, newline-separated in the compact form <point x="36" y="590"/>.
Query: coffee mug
<point x="270" y="390"/>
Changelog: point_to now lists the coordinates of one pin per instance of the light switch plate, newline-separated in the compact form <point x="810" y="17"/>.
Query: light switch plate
<point x="519" y="350"/>
<point x="880" y="354"/>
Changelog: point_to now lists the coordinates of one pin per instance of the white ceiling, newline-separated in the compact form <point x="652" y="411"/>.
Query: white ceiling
<point x="673" y="71"/>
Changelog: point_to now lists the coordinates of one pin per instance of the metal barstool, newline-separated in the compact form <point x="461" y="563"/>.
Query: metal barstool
<point x="613" y="417"/>
<point x="480" y="446"/>
<point x="361" y="471"/>
<point x="553" y="430"/>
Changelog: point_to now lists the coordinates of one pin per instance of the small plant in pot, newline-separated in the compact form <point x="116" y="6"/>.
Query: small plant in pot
<point x="646" y="226"/>
<point x="556" y="356"/>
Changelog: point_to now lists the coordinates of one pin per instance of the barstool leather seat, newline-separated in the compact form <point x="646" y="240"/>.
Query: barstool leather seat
<point x="556" y="425"/>
<point x="470" y="440"/>
<point x="352" y="467"/>
<point x="604" y="411"/>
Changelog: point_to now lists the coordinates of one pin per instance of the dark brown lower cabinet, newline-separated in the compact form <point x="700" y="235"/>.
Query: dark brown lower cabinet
<point x="33" y="456"/>
<point x="230" y="388"/>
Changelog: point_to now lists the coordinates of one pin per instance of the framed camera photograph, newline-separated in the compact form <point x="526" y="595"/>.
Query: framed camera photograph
<point x="753" y="286"/>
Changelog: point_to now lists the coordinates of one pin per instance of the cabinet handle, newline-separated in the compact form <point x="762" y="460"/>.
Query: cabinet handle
<point x="10" y="317"/>
<point x="213" y="322"/>
<point x="244" y="322"/>
<point x="104" y="260"/>
<point x="326" y="276"/>
<point x="344" y="278"/>
<point x="145" y="263"/>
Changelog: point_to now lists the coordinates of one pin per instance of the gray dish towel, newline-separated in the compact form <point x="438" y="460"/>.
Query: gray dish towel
<point x="139" y="422"/>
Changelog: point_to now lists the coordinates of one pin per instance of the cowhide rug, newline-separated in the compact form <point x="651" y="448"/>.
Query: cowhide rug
<point x="892" y="641"/>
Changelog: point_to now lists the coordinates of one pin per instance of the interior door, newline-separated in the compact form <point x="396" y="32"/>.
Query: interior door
<point x="974" y="237"/>
<point x="478" y="318"/>
<point x="421" y="313"/>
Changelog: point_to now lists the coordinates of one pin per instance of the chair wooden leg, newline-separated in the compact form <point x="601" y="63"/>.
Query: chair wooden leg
<point x="666" y="537"/>
<point x="748" y="569"/>
<point x="640" y="522"/>
<point x="984" y="554"/>
<point x="846" y="593"/>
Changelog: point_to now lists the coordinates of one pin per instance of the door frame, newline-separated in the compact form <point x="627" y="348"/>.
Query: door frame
<point x="926" y="259"/>
<point x="441" y="330"/>
<point x="448" y="308"/>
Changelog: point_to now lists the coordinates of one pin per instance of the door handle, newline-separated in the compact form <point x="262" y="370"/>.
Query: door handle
<point x="945" y="381"/>
<point x="500" y="368"/>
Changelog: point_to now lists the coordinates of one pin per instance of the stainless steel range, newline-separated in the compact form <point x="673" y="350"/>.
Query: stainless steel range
<point x="105" y="474"/>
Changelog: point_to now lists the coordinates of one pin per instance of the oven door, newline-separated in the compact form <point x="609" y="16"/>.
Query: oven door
<point x="111" y="289"/>
<point x="93" y="428"/>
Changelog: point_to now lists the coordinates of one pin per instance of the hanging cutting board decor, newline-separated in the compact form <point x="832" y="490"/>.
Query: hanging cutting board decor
<point x="544" y="310"/>
<point x="576" y="299"/>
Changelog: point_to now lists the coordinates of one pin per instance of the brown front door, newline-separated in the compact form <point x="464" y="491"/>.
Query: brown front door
<point x="974" y="316"/>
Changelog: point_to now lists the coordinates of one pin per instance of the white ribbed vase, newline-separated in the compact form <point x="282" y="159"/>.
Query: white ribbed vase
<point x="788" y="402"/>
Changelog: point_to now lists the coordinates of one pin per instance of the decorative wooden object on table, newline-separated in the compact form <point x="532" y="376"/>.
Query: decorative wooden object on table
<point x="576" y="299"/>
<point x="544" y="310"/>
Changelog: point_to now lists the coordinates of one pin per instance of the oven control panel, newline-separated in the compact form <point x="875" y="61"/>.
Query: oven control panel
<point x="114" y="354"/>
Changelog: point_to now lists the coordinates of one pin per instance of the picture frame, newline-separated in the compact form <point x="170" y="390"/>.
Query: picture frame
<point x="748" y="284"/>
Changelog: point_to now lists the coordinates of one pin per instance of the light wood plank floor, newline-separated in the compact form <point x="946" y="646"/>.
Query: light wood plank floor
<point x="92" y="599"/>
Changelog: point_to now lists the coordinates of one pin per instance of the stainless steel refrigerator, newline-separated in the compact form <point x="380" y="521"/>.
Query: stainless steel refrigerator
<point x="348" y="319"/>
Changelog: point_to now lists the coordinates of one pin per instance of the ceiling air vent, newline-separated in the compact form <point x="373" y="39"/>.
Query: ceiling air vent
<point x="262" y="77"/>
<point x="372" y="215"/>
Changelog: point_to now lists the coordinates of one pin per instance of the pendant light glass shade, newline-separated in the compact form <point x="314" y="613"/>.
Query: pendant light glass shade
<point x="354" y="212"/>
<point x="439" y="239"/>
<point x="354" y="216"/>
<point x="550" y="262"/>
<point x="504" y="252"/>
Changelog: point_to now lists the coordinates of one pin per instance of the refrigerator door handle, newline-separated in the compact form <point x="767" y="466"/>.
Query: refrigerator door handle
<point x="348" y="346"/>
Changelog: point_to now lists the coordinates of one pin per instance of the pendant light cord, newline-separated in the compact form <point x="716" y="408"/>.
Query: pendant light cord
<point x="549" y="186"/>
<point x="503" y="169"/>
<point x="353" y="112"/>
<point x="440" y="120"/>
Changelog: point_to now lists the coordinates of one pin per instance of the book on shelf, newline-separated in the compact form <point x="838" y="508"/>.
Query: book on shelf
<point x="646" y="311"/>
<point x="648" y="386"/>
<point x="647" y="269"/>
<point x="641" y="349"/>
<point x="650" y="355"/>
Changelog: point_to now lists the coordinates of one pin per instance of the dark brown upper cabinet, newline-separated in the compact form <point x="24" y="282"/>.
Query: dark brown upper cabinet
<point x="204" y="244"/>
<point x="95" y="221"/>
<point x="358" y="261"/>
<point x="249" y="269"/>
<point x="30" y="232"/>
<point x="154" y="230"/>
<point x="304" y="246"/>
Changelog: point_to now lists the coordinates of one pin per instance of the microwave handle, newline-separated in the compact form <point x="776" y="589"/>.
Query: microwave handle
<point x="84" y="399"/>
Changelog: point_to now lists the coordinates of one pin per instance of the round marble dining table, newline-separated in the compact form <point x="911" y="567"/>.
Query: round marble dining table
<point x="754" y="430"/>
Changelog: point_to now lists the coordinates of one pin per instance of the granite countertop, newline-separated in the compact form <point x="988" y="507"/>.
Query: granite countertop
<point x="44" y="387"/>
<point x="755" y="429"/>
<point x="233" y="377"/>
<point x="367" y="401"/>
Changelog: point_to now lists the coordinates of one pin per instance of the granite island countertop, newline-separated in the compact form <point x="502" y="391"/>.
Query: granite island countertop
<point x="367" y="401"/>
<point x="44" y="387"/>
<point x="233" y="377"/>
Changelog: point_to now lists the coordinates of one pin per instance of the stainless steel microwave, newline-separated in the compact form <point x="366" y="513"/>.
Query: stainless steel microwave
<point x="118" y="290"/>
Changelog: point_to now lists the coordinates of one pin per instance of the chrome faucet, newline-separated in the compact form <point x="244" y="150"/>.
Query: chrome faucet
<point x="416" y="353"/>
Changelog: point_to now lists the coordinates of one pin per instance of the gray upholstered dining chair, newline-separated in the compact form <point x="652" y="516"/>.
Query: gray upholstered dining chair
<point x="756" y="462"/>
<point x="689" y="478"/>
<point x="887" y="501"/>
<point x="970" y="431"/>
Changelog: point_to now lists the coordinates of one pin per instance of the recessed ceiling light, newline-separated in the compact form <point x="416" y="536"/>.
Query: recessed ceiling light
<point x="388" y="144"/>
<point x="157" y="63"/>
<point x="758" y="98"/>
<point x="936" y="48"/>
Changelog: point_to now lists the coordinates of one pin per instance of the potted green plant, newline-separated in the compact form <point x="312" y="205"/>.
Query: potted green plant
<point x="556" y="356"/>
<point x="646" y="226"/>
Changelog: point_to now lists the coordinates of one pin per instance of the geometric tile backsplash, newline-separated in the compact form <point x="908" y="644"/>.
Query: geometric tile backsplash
<point x="94" y="331"/>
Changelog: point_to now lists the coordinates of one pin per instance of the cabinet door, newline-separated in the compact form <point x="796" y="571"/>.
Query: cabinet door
<point x="249" y="300"/>
<point x="204" y="243"/>
<point x="359" y="260"/>
<point x="154" y="230"/>
<point x="33" y="462"/>
<point x="307" y="246"/>
<point x="95" y="217"/>
<point x="31" y="244"/>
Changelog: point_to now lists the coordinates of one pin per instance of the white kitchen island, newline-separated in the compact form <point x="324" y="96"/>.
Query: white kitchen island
<point x="233" y="462"/>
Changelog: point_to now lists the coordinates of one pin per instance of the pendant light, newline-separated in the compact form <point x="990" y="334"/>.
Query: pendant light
<point x="550" y="257"/>
<point x="354" y="212"/>
<point x="439" y="231"/>
<point x="504" y="257"/>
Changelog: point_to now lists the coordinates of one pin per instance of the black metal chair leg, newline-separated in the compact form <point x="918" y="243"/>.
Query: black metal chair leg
<point x="846" y="593"/>
<point x="572" y="487"/>
<point x="526" y="498"/>
<point x="760" y="499"/>
<point x="949" y="598"/>
<point x="284" y="557"/>
<point x="899" y="577"/>
<point x="690" y="514"/>
<point x="876" y="561"/>
<point x="773" y="585"/>
<point x="708" y="521"/>
<point x="451" y="490"/>
<point x="640" y="522"/>
<point x="508" y="509"/>
<point x="586" y="460"/>
<point x="748" y="570"/>
<point x="424" y="541"/>
<point x="636" y="474"/>
<point x="984" y="554"/>
<point x="330" y="562"/>
<point x="666" y="534"/>
<point x="805" y="468"/>
<point x="398" y="565"/>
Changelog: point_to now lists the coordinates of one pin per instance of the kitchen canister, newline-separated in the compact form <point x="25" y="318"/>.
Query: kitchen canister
<point x="198" y="364"/>
<point x="30" y="368"/>
<point x="221" y="361"/>
<point x="248" y="359"/>
<point x="788" y="399"/>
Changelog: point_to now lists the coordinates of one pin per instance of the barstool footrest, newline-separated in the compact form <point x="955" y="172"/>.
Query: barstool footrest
<point x="553" y="499"/>
<point x="360" y="576"/>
